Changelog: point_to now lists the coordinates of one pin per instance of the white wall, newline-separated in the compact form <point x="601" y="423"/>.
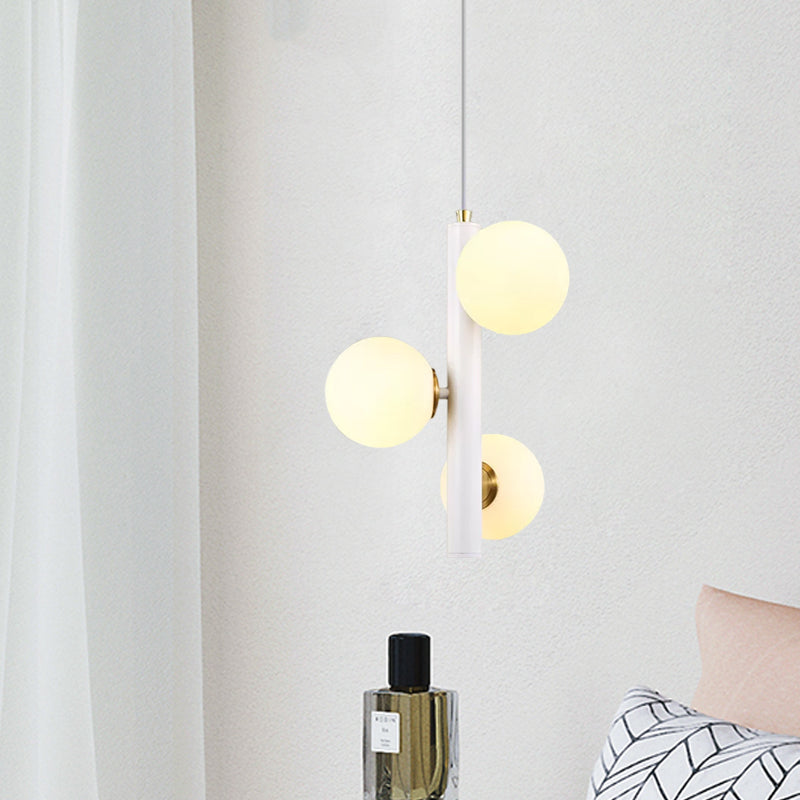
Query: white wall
<point x="657" y="141"/>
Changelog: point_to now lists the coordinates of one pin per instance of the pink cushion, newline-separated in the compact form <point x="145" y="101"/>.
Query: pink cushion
<point x="750" y="654"/>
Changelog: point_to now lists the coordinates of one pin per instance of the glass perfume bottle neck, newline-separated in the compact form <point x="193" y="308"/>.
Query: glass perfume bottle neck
<point x="410" y="689"/>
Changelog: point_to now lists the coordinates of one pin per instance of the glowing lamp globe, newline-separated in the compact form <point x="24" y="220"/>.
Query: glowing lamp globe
<point x="519" y="483"/>
<point x="512" y="277"/>
<point x="380" y="392"/>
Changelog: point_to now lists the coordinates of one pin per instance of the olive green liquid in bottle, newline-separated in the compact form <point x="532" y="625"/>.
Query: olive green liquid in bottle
<point x="410" y="729"/>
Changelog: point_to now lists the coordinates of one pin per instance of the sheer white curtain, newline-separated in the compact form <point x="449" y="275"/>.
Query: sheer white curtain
<point x="100" y="645"/>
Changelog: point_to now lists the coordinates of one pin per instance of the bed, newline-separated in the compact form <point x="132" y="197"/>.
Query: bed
<point x="739" y="737"/>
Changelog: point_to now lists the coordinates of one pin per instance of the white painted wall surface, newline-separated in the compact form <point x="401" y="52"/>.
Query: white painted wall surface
<point x="658" y="142"/>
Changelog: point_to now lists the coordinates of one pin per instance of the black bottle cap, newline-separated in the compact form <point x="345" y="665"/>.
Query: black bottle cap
<point x="409" y="662"/>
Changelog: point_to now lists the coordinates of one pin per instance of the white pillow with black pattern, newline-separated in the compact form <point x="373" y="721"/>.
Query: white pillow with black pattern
<point x="658" y="749"/>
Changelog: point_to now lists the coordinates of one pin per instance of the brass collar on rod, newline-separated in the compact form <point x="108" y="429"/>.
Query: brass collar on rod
<point x="436" y="393"/>
<point x="489" y="481"/>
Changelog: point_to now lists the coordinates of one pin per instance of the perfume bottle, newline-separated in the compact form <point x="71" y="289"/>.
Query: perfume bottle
<point x="410" y="729"/>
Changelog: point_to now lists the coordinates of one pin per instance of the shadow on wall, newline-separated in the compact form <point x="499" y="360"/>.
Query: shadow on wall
<point x="288" y="18"/>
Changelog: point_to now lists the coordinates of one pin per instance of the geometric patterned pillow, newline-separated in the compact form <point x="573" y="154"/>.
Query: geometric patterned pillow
<point x="658" y="749"/>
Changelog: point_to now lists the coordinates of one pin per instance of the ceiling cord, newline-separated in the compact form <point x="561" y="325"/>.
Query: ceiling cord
<point x="463" y="106"/>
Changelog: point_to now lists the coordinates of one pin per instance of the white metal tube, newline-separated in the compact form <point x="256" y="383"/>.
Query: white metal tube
<point x="464" y="472"/>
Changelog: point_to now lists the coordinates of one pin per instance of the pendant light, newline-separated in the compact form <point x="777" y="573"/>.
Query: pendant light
<point x="510" y="277"/>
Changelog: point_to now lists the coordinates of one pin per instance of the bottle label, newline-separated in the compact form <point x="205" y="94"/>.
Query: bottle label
<point x="385" y="732"/>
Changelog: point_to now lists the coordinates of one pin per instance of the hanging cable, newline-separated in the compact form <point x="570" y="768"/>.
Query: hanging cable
<point x="463" y="106"/>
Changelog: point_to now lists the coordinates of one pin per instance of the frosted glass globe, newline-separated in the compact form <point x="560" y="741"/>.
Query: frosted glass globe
<point x="520" y="486"/>
<point x="512" y="277"/>
<point x="379" y="392"/>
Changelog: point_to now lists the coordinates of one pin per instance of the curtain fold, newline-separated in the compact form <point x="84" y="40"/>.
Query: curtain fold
<point x="100" y="634"/>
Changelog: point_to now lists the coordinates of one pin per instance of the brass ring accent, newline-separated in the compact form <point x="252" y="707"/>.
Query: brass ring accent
<point x="435" y="393"/>
<point x="489" y="483"/>
<point x="463" y="215"/>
